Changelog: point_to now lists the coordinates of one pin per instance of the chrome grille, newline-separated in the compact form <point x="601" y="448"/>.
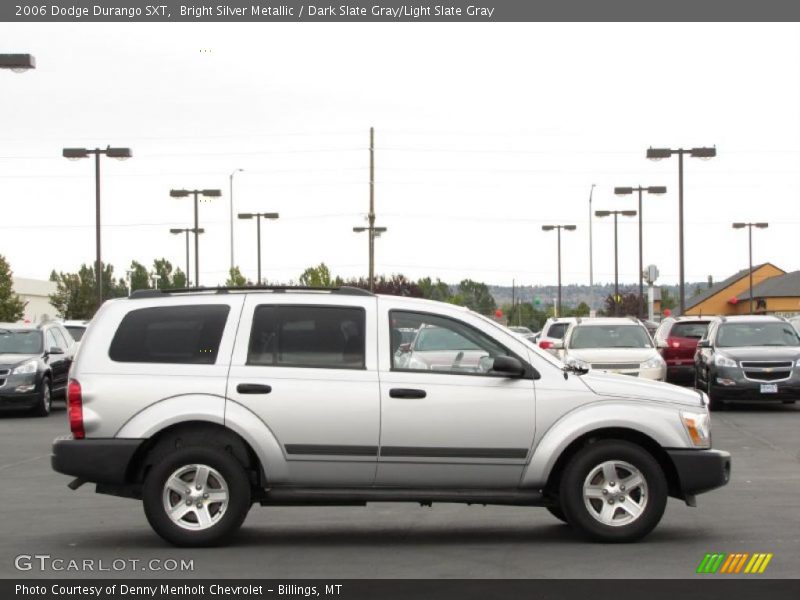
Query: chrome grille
<point x="768" y="371"/>
<point x="767" y="365"/>
<point x="3" y="375"/>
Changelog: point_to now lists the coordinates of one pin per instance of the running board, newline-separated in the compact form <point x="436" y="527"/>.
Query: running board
<point x="295" y="496"/>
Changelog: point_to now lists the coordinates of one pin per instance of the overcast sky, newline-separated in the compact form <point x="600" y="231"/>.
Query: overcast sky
<point x="484" y="132"/>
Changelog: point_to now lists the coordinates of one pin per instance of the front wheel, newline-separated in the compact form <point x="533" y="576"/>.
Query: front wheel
<point x="714" y="401"/>
<point x="613" y="491"/>
<point x="45" y="401"/>
<point x="196" y="496"/>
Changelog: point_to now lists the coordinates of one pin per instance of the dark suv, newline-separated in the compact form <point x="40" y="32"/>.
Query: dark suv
<point x="677" y="343"/>
<point x="749" y="358"/>
<point x="34" y="365"/>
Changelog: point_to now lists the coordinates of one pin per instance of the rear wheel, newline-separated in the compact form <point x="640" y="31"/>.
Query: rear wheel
<point x="196" y="496"/>
<point x="557" y="513"/>
<point x="613" y="491"/>
<point x="45" y="403"/>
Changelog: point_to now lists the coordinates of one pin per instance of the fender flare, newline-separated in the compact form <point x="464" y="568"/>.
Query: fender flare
<point x="661" y="423"/>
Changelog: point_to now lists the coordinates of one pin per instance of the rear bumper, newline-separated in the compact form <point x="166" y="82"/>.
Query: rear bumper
<point x="678" y="372"/>
<point x="700" y="470"/>
<point x="94" y="460"/>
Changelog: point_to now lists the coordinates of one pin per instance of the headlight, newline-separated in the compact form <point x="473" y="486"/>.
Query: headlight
<point x="698" y="426"/>
<point x="577" y="363"/>
<point x="723" y="361"/>
<point x="26" y="368"/>
<point x="653" y="363"/>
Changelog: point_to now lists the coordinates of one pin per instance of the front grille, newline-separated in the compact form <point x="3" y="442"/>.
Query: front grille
<point x="615" y="366"/>
<point x="767" y="375"/>
<point x="3" y="375"/>
<point x="767" y="365"/>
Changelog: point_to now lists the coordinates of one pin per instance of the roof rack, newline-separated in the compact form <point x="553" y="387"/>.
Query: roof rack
<point x="344" y="290"/>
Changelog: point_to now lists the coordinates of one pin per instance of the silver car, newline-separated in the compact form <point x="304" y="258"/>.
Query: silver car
<point x="203" y="403"/>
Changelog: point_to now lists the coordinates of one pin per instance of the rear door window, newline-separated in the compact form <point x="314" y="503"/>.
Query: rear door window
<point x="694" y="330"/>
<point x="557" y="330"/>
<point x="331" y="337"/>
<point x="170" y="334"/>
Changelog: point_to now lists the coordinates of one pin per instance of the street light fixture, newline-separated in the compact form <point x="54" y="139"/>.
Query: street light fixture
<point x="187" y="231"/>
<point x="558" y="229"/>
<point x="660" y="154"/>
<point x="230" y="177"/>
<point x="616" y="213"/>
<point x="760" y="225"/>
<point x="19" y="63"/>
<point x="258" y="216"/>
<point x="623" y="191"/>
<point x="77" y="154"/>
<point x="196" y="228"/>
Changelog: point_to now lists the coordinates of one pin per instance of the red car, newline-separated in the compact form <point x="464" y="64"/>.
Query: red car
<point x="677" y="342"/>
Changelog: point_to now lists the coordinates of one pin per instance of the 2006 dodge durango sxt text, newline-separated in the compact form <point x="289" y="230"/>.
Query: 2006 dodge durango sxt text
<point x="203" y="402"/>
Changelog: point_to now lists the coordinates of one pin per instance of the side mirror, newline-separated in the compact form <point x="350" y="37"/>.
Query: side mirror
<point x="508" y="365"/>
<point x="55" y="350"/>
<point x="404" y="348"/>
<point x="704" y="344"/>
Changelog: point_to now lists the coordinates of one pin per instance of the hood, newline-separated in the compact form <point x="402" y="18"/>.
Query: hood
<point x="762" y="353"/>
<point x="12" y="360"/>
<point x="624" y="386"/>
<point x="613" y="355"/>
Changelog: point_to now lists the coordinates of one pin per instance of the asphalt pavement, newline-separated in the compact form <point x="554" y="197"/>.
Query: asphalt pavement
<point x="759" y="511"/>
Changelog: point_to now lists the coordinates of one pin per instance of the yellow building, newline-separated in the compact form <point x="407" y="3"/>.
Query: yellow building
<point x="731" y="296"/>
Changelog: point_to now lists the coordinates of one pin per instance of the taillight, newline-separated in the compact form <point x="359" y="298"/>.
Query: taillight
<point x="75" y="409"/>
<point x="545" y="345"/>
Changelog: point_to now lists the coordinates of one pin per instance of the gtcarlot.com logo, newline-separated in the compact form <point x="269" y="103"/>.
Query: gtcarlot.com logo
<point x="737" y="562"/>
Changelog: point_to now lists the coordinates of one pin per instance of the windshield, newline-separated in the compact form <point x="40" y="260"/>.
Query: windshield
<point x="16" y="341"/>
<point x="610" y="336"/>
<point x="733" y="335"/>
<point x="432" y="339"/>
<point x="76" y="331"/>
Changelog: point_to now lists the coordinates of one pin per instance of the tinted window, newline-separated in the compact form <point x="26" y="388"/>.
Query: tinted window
<point x="557" y="330"/>
<point x="76" y="332"/>
<point x="757" y="334"/>
<point x="20" y="341"/>
<point x="308" y="336"/>
<point x="689" y="329"/>
<point x="170" y="334"/>
<point x="441" y="344"/>
<point x="610" y="336"/>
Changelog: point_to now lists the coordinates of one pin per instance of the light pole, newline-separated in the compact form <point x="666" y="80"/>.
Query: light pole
<point x="373" y="232"/>
<point x="616" y="213"/>
<point x="653" y="189"/>
<point x="258" y="217"/>
<point x="659" y="154"/>
<point x="187" y="231"/>
<point x="558" y="229"/>
<point x="591" y="251"/>
<point x="77" y="154"/>
<point x="196" y="228"/>
<point x="750" y="226"/>
<point x="230" y="177"/>
<point x="19" y="63"/>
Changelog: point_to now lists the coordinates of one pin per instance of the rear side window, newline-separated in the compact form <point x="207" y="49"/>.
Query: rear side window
<point x="170" y="334"/>
<point x="557" y="330"/>
<point x="308" y="336"/>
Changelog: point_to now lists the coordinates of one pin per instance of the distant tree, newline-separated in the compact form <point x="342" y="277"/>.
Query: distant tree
<point x="628" y="306"/>
<point x="434" y="291"/>
<point x="76" y="296"/>
<point x="667" y="300"/>
<point x="319" y="276"/>
<point x="582" y="310"/>
<point x="235" y="278"/>
<point x="475" y="295"/>
<point x="394" y="285"/>
<point x="12" y="307"/>
<point x="179" y="279"/>
<point x="162" y="269"/>
<point x="139" y="277"/>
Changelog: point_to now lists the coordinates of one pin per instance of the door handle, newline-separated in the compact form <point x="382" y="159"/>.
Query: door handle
<point x="253" y="388"/>
<point x="407" y="393"/>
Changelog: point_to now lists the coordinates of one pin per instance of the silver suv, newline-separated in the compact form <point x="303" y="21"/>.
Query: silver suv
<point x="203" y="402"/>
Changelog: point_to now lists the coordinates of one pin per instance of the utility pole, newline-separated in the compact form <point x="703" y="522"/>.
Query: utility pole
<point x="371" y="230"/>
<point x="558" y="229"/>
<point x="591" y="252"/>
<point x="760" y="225"/>
<point x="615" y="214"/>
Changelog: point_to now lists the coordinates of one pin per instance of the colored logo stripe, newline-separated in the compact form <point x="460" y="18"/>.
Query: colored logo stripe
<point x="721" y="562"/>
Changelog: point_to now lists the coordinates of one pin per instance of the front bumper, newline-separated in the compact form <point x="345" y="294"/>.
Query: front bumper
<point x="740" y="388"/>
<point x="94" y="460"/>
<point x="17" y="400"/>
<point x="700" y="470"/>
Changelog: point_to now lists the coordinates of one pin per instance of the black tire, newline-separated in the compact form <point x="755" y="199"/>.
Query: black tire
<point x="714" y="402"/>
<point x="45" y="402"/>
<point x="651" y="498"/>
<point x="228" y="522"/>
<point x="557" y="513"/>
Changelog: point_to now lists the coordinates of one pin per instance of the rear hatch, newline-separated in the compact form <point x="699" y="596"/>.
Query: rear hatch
<point x="682" y="341"/>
